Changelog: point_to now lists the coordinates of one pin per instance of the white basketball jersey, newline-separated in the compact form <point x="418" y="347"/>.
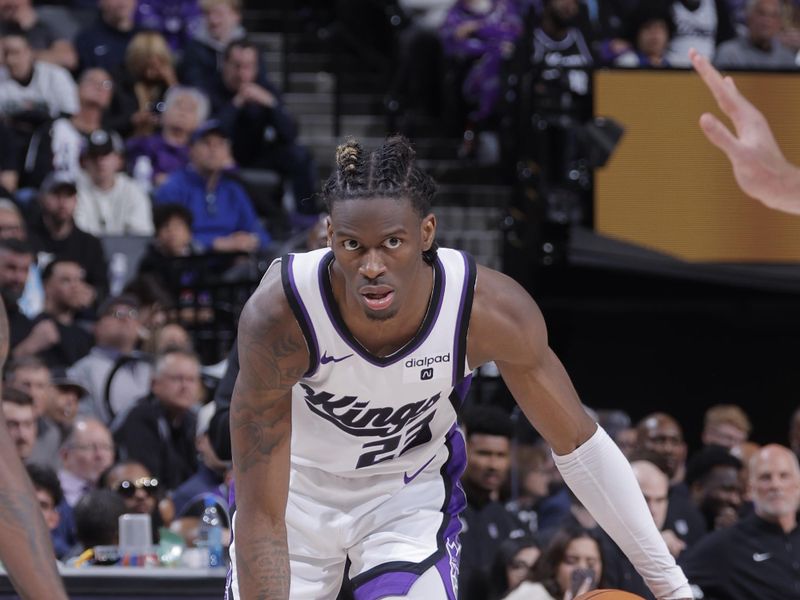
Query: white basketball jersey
<point x="354" y="413"/>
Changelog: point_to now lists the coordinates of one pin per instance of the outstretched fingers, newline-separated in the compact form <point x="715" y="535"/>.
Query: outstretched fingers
<point x="719" y="135"/>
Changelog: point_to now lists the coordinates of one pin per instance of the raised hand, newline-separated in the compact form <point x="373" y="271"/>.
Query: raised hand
<point x="759" y="166"/>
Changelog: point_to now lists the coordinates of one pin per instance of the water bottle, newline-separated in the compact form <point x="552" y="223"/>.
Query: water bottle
<point x="143" y="173"/>
<point x="210" y="533"/>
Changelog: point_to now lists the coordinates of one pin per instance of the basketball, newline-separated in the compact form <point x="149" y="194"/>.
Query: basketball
<point x="608" y="595"/>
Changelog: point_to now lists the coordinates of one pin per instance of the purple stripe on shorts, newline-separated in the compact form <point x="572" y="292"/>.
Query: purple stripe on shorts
<point x="309" y="322"/>
<point x="396" y="583"/>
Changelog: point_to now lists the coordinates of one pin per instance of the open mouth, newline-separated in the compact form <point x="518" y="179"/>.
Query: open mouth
<point x="377" y="298"/>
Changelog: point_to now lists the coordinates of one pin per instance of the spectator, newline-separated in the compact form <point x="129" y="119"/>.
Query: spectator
<point x="481" y="35"/>
<point x="56" y="338"/>
<point x="168" y="151"/>
<point x="725" y="425"/>
<point x="699" y="24"/>
<point x="159" y="430"/>
<point x="116" y="334"/>
<point x="224" y="218"/>
<point x="155" y="304"/>
<point x="512" y="565"/>
<point x="104" y="44"/>
<point x="570" y="549"/>
<point x="46" y="42"/>
<point x="96" y="523"/>
<point x="57" y="146"/>
<point x="55" y="235"/>
<point x="85" y="455"/>
<point x="660" y="434"/>
<point x="794" y="432"/>
<point x="173" y="239"/>
<point x="713" y="475"/>
<point x="177" y="20"/>
<point x="202" y="55"/>
<point x="649" y="31"/>
<point x="169" y="337"/>
<point x="109" y="200"/>
<point x="760" y="48"/>
<point x="67" y="395"/>
<point x="49" y="495"/>
<point x="149" y="73"/>
<point x="16" y="258"/>
<point x="654" y="484"/>
<point x="12" y="226"/>
<point x="212" y="474"/>
<point x="486" y="521"/>
<point x="34" y="91"/>
<point x="20" y="418"/>
<point x="534" y="467"/>
<point x="30" y="375"/>
<point x="140" y="492"/>
<point x="559" y="45"/>
<point x="263" y="133"/>
<point x="33" y="86"/>
<point x="758" y="556"/>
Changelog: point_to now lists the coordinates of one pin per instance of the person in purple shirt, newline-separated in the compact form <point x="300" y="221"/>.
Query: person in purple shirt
<point x="481" y="33"/>
<point x="224" y="219"/>
<point x="167" y="151"/>
<point x="177" y="20"/>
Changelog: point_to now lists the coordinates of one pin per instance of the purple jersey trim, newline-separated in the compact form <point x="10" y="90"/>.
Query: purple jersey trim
<point x="462" y="322"/>
<point x="338" y="323"/>
<point x="306" y="325"/>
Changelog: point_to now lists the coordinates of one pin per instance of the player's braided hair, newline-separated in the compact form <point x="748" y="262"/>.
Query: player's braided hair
<point x="388" y="172"/>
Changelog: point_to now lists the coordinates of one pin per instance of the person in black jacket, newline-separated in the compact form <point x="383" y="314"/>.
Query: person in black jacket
<point x="159" y="430"/>
<point x="758" y="557"/>
<point x="264" y="134"/>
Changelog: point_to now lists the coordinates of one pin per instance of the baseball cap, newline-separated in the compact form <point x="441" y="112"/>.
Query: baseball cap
<point x="59" y="180"/>
<point x="207" y="128"/>
<point x="61" y="380"/>
<point x="122" y="300"/>
<point x="101" y="142"/>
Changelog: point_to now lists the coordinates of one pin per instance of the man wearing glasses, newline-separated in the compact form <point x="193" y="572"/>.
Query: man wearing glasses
<point x="116" y="334"/>
<point x="85" y="454"/>
<point x="159" y="430"/>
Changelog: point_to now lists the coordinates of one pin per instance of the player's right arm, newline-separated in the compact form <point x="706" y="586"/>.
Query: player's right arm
<point x="759" y="166"/>
<point x="272" y="357"/>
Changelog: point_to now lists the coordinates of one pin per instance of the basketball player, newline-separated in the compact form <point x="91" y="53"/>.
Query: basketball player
<point x="25" y="547"/>
<point x="354" y="361"/>
<point x="759" y="166"/>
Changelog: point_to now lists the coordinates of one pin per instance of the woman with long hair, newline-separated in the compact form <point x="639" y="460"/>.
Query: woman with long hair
<point x="572" y="564"/>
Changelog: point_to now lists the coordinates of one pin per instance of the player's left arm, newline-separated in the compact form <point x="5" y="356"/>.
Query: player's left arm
<point x="507" y="327"/>
<point x="25" y="547"/>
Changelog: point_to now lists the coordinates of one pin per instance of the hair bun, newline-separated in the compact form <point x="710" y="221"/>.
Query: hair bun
<point x="348" y="155"/>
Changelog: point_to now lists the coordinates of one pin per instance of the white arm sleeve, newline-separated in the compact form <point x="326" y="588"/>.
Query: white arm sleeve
<point x="601" y="478"/>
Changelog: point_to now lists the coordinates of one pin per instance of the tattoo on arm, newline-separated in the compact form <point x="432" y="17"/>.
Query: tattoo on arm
<point x="261" y="408"/>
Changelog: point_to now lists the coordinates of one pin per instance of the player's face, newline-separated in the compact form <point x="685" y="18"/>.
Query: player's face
<point x="378" y="245"/>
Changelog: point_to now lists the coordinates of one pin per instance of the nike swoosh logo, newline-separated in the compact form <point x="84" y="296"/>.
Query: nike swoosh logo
<point x="761" y="557"/>
<point x="407" y="479"/>
<point x="328" y="359"/>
